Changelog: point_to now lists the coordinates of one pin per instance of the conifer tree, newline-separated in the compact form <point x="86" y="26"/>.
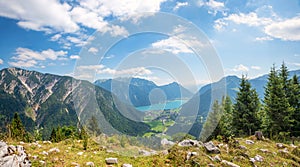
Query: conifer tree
<point x="210" y="128"/>
<point x="53" y="135"/>
<point x="17" y="129"/>
<point x="277" y="109"/>
<point x="294" y="101"/>
<point x="225" y="123"/>
<point x="245" y="111"/>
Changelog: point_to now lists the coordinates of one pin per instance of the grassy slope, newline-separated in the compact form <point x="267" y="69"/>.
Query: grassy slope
<point x="177" y="157"/>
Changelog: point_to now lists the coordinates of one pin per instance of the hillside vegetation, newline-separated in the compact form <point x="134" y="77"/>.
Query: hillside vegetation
<point x="238" y="151"/>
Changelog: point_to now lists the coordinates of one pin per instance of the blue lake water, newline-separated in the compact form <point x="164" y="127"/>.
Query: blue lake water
<point x="162" y="106"/>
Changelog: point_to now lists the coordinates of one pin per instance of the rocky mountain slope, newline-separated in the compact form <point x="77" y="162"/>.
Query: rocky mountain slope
<point x="46" y="101"/>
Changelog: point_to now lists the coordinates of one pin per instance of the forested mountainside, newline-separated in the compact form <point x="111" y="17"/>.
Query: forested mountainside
<point x="47" y="101"/>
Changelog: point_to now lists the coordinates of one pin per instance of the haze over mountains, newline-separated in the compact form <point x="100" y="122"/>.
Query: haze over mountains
<point x="46" y="100"/>
<point x="137" y="91"/>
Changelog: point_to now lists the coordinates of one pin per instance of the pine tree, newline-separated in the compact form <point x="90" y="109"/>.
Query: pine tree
<point x="225" y="123"/>
<point x="53" y="135"/>
<point x="245" y="110"/>
<point x="210" y="128"/>
<point x="277" y="109"/>
<point x="17" y="129"/>
<point x="294" y="101"/>
<point x="93" y="126"/>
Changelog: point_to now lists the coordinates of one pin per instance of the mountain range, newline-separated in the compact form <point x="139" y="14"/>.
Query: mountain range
<point x="47" y="101"/>
<point x="229" y="86"/>
<point x="137" y="91"/>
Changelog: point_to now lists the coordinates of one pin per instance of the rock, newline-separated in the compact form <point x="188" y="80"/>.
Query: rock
<point x="280" y="145"/>
<point x="166" y="142"/>
<point x="264" y="150"/>
<point x="243" y="147"/>
<point x="47" y="142"/>
<point x="111" y="160"/>
<point x="35" y="157"/>
<point x="230" y="164"/>
<point x="126" y="165"/>
<point x="13" y="156"/>
<point x="189" y="143"/>
<point x="191" y="154"/>
<point x="217" y="158"/>
<point x="75" y="164"/>
<point x="259" y="135"/>
<point x="90" y="164"/>
<point x="211" y="148"/>
<point x="22" y="143"/>
<point x="44" y="153"/>
<point x="293" y="146"/>
<point x="146" y="153"/>
<point x="285" y="150"/>
<point x="258" y="158"/>
<point x="42" y="162"/>
<point x="80" y="153"/>
<point x="249" y="142"/>
<point x="165" y="152"/>
<point x="54" y="150"/>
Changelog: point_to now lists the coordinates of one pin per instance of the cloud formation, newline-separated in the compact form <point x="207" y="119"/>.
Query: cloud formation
<point x="25" y="57"/>
<point x="173" y="45"/>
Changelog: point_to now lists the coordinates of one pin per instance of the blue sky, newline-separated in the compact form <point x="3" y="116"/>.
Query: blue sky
<point x="248" y="36"/>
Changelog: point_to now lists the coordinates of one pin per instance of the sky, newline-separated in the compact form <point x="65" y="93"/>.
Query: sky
<point x="156" y="39"/>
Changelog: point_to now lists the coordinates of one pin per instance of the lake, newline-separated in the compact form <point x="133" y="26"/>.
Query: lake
<point x="162" y="106"/>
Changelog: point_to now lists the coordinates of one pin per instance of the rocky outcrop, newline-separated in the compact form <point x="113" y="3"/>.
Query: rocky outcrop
<point x="189" y="143"/>
<point x="13" y="156"/>
<point x="211" y="148"/>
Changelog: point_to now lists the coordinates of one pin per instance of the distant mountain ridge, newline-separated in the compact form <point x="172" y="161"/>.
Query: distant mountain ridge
<point x="137" y="90"/>
<point x="205" y="100"/>
<point x="46" y="100"/>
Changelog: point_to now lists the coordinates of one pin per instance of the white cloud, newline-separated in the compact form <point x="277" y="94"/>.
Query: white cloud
<point x="74" y="57"/>
<point x="93" y="50"/>
<point x="240" y="68"/>
<point x="255" y="67"/>
<point x="55" y="37"/>
<point x="76" y="41"/>
<point x="1" y="61"/>
<point x="48" y="15"/>
<point x="214" y="6"/>
<point x="137" y="71"/>
<point x="265" y="38"/>
<point x="288" y="29"/>
<point x="180" y="4"/>
<point x="29" y="63"/>
<point x="109" y="57"/>
<point x="28" y="58"/>
<point x="122" y="9"/>
<point x="91" y="67"/>
<point x="88" y="18"/>
<point x="173" y="45"/>
<point x="101" y="69"/>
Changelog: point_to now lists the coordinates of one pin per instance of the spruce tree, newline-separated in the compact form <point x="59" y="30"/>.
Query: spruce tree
<point x="17" y="129"/>
<point x="225" y="123"/>
<point x="294" y="101"/>
<point x="245" y="110"/>
<point x="210" y="128"/>
<point x="277" y="109"/>
<point x="53" y="135"/>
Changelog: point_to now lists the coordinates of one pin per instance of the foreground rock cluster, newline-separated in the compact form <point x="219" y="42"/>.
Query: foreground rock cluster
<point x="13" y="156"/>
